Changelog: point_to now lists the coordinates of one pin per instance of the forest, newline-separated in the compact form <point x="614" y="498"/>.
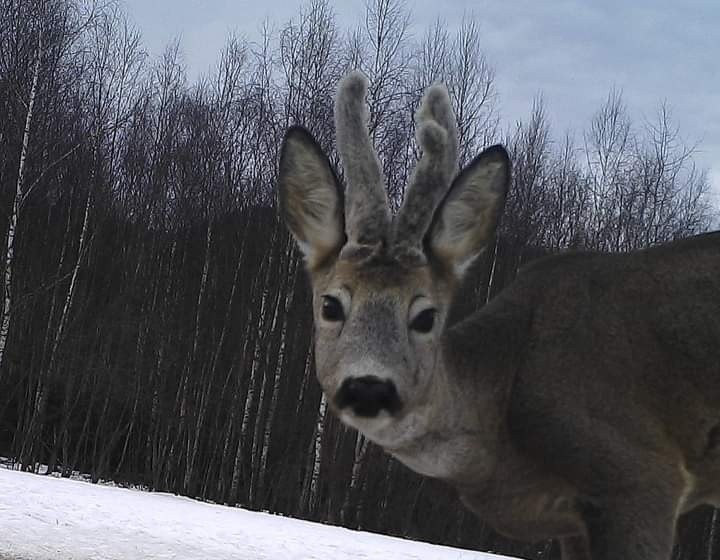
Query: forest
<point x="156" y="325"/>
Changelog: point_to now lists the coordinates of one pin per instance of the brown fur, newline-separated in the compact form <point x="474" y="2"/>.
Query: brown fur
<point x="613" y="398"/>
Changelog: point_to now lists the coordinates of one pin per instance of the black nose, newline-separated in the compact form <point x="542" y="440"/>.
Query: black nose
<point x="368" y="395"/>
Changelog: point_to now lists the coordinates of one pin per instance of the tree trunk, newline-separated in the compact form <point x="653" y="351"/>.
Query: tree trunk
<point x="194" y="435"/>
<point x="14" y="217"/>
<point x="291" y="272"/>
<point x="254" y="367"/>
<point x="713" y="536"/>
<point x="361" y="445"/>
<point x="314" y="486"/>
<point x="41" y="389"/>
<point x="491" y="278"/>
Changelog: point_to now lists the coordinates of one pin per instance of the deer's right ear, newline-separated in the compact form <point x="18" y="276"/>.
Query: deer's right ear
<point x="466" y="220"/>
<point x="310" y="197"/>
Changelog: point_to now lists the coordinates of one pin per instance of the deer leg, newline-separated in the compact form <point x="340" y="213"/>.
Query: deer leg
<point x="634" y="528"/>
<point x="575" y="548"/>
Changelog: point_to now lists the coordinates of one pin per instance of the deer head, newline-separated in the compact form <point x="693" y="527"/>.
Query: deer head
<point x="382" y="284"/>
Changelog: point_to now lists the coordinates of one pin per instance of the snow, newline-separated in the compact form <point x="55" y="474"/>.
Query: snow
<point x="48" y="518"/>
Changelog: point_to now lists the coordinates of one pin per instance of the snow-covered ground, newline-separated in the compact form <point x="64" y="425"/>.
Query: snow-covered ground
<point x="48" y="518"/>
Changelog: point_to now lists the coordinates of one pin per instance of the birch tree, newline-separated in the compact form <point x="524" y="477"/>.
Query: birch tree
<point x="19" y="192"/>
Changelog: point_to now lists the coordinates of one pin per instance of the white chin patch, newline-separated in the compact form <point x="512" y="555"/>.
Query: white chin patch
<point x="369" y="427"/>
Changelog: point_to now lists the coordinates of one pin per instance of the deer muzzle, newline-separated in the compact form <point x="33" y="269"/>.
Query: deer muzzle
<point x="366" y="396"/>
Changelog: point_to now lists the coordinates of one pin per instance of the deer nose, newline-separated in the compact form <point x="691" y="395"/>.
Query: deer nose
<point x="368" y="395"/>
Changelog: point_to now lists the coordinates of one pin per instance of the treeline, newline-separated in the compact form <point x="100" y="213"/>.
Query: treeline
<point x="156" y="322"/>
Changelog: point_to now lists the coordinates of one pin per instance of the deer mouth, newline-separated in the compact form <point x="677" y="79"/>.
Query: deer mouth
<point x="367" y="396"/>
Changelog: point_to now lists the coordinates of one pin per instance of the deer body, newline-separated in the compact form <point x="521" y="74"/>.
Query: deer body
<point x="615" y="388"/>
<point x="583" y="402"/>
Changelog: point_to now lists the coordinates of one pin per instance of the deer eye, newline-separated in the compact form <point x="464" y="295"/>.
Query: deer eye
<point x="424" y="321"/>
<point x="332" y="309"/>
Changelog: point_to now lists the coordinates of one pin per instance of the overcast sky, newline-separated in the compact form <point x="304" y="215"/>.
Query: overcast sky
<point x="573" y="51"/>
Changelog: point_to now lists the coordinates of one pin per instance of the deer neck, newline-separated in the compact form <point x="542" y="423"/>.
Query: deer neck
<point x="459" y="429"/>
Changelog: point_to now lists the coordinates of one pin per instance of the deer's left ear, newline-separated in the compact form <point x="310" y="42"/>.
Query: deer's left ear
<point x="466" y="219"/>
<point x="310" y="197"/>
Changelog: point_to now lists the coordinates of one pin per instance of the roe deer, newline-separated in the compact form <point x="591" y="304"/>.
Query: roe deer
<point x="582" y="402"/>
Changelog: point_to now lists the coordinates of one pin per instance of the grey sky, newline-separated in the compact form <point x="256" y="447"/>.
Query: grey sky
<point x="573" y="51"/>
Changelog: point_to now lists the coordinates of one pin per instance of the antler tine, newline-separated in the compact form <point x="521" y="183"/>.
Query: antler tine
<point x="436" y="106"/>
<point x="367" y="213"/>
<point x="437" y="136"/>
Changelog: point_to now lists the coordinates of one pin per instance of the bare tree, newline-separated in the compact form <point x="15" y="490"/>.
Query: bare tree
<point x="471" y="82"/>
<point x="608" y="153"/>
<point x="19" y="192"/>
<point x="567" y="204"/>
<point x="525" y="213"/>
<point x="668" y="197"/>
